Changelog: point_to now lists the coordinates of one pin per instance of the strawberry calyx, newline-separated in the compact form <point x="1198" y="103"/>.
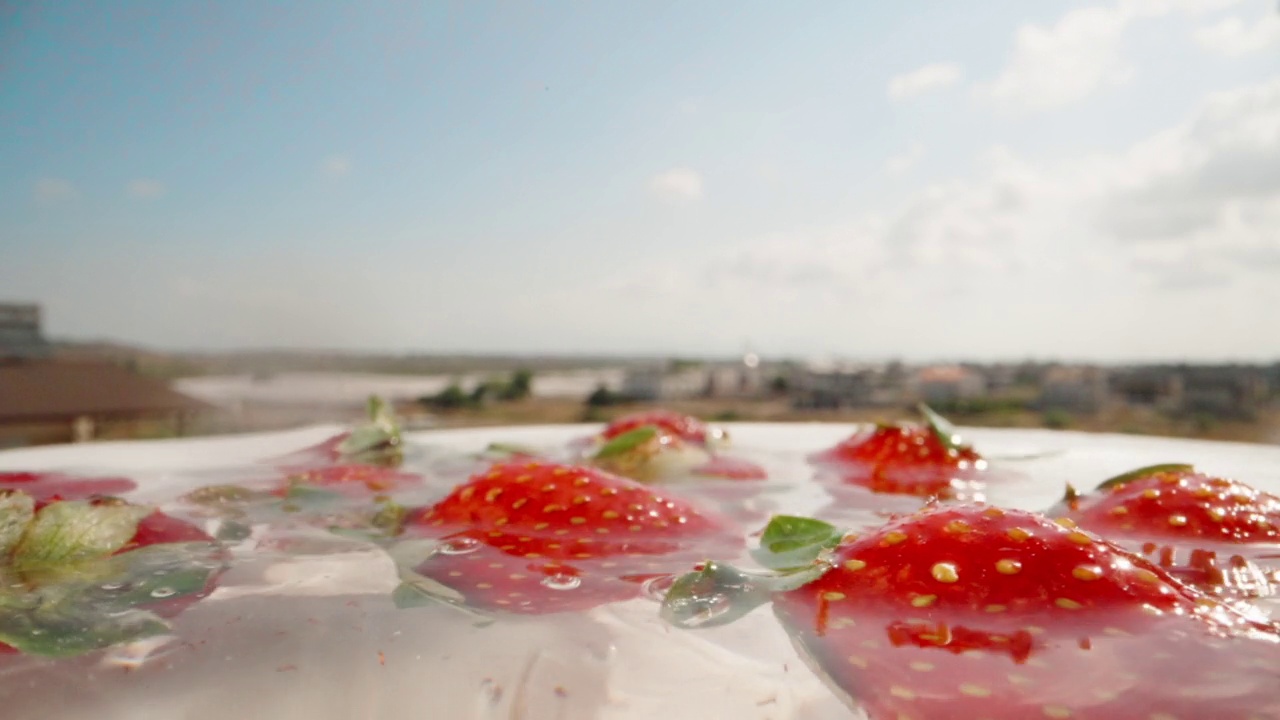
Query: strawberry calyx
<point x="719" y="593"/>
<point x="792" y="549"/>
<point x="941" y="427"/>
<point x="1142" y="472"/>
<point x="378" y="441"/>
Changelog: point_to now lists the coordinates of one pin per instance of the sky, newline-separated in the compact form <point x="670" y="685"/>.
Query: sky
<point x="929" y="180"/>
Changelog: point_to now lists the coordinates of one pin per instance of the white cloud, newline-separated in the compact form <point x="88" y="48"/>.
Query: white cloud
<point x="922" y="80"/>
<point x="144" y="189"/>
<point x="901" y="163"/>
<point x="1080" y="54"/>
<point x="335" y="167"/>
<point x="1130" y="253"/>
<point x="678" y="183"/>
<point x="1234" y="37"/>
<point x="54" y="189"/>
<point x="1059" y="65"/>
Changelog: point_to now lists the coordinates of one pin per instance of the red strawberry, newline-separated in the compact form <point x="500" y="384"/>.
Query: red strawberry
<point x="352" y="479"/>
<point x="685" y="427"/>
<point x="1206" y="530"/>
<point x="51" y="485"/>
<point x="542" y="538"/>
<point x="971" y="612"/>
<point x="907" y="459"/>
<point x="730" y="468"/>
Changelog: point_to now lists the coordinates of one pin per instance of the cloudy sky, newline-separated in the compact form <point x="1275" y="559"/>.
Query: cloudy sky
<point x="998" y="179"/>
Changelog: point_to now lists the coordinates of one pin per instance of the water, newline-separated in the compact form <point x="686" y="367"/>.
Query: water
<point x="303" y="623"/>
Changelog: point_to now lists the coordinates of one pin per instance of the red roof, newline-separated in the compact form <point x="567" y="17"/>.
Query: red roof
<point x="43" y="391"/>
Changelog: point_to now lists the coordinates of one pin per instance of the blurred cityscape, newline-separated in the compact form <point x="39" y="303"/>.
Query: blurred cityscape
<point x="66" y="391"/>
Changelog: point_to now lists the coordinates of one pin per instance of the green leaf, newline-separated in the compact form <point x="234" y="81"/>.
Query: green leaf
<point x="499" y="450"/>
<point x="389" y="517"/>
<point x="73" y="530"/>
<point x="793" y="542"/>
<point x="303" y="497"/>
<point x="226" y="496"/>
<point x="377" y="441"/>
<point x="49" y="632"/>
<point x="417" y="590"/>
<point x="941" y="427"/>
<point x="719" y="594"/>
<point x="154" y="573"/>
<point x="66" y="610"/>
<point x="626" y="442"/>
<point x="1144" y="472"/>
<point x="16" y="512"/>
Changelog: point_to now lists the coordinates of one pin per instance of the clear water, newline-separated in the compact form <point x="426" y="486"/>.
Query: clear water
<point x="302" y="623"/>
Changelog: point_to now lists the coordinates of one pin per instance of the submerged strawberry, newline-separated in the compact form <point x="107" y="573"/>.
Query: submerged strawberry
<point x="79" y="575"/>
<point x="686" y="427"/>
<point x="45" y="486"/>
<point x="971" y="612"/>
<point x="351" y="479"/>
<point x="1209" y="531"/>
<point x="926" y="460"/>
<point x="542" y="538"/>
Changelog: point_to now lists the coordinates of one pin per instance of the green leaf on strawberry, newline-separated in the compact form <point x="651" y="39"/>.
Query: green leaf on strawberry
<point x="789" y="541"/>
<point x="1142" y="472"/>
<point x="941" y="427"/>
<point x="76" y="530"/>
<point x="626" y="442"/>
<point x="378" y="441"/>
<point x="17" y="509"/>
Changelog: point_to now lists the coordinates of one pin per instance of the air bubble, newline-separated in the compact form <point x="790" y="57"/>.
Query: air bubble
<point x="459" y="546"/>
<point x="561" y="581"/>
<point x="163" y="592"/>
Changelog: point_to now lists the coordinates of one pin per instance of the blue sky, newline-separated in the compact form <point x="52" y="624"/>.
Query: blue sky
<point x="925" y="180"/>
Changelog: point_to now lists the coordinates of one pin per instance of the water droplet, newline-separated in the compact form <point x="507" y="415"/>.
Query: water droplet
<point x="163" y="592"/>
<point x="561" y="581"/>
<point x="459" y="546"/>
<point x="113" y="586"/>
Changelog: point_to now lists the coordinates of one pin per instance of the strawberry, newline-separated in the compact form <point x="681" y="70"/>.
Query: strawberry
<point x="730" y="468"/>
<point x="77" y="566"/>
<point x="351" y="479"/>
<point x="971" y="612"/>
<point x="376" y="442"/>
<point x="542" y="537"/>
<point x="686" y="427"/>
<point x="46" y="486"/>
<point x="1209" y="531"/>
<point x="926" y="460"/>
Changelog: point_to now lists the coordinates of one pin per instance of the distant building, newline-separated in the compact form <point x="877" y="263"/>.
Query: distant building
<point x="43" y="400"/>
<point x="657" y="383"/>
<point x="1226" y="391"/>
<point x="20" y="337"/>
<point x="835" y="384"/>
<point x="1074" y="388"/>
<point x="1230" y="391"/>
<point x="942" y="384"/>
<point x="741" y="379"/>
